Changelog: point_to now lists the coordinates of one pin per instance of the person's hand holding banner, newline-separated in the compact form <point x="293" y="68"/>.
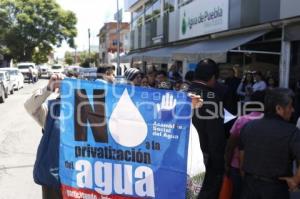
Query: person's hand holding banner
<point x="54" y="82"/>
<point x="197" y="101"/>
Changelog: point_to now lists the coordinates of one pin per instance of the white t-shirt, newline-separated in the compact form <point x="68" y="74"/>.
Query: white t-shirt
<point x="195" y="163"/>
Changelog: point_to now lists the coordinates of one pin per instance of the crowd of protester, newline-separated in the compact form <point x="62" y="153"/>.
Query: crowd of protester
<point x="240" y="89"/>
<point x="233" y="149"/>
<point x="257" y="150"/>
<point x="226" y="148"/>
<point x="160" y="79"/>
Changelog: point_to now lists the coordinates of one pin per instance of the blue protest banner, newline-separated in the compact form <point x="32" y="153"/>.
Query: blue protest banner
<point x="121" y="141"/>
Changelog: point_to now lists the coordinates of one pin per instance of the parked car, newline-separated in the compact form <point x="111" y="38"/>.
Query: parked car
<point x="72" y="71"/>
<point x="24" y="69"/>
<point x="88" y="73"/>
<point x="8" y="84"/>
<point x="15" y="76"/>
<point x="44" y="70"/>
<point x="2" y="92"/>
<point x="55" y="69"/>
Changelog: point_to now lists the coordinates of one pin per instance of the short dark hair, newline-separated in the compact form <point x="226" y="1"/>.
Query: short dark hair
<point x="189" y="76"/>
<point x="176" y="76"/>
<point x="277" y="96"/>
<point x="206" y="69"/>
<point x="259" y="74"/>
<point x="255" y="98"/>
<point x="258" y="96"/>
<point x="112" y="67"/>
<point x="102" y="70"/>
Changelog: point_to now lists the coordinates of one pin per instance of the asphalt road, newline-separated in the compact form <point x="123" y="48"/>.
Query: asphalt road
<point x="19" y="138"/>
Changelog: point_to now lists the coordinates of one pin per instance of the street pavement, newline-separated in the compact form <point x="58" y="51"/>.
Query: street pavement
<point x="19" y="138"/>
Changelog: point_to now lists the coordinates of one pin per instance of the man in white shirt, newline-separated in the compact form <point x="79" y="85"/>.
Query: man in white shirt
<point x="37" y="107"/>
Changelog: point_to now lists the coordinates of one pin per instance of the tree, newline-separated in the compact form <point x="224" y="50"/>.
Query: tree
<point x="69" y="58"/>
<point x="35" y="27"/>
<point x="4" y="24"/>
<point x="39" y="57"/>
<point x="85" y="60"/>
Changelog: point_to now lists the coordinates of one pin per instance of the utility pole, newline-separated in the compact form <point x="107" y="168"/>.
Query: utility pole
<point x="118" y="39"/>
<point x="89" y="31"/>
<point x="75" y="58"/>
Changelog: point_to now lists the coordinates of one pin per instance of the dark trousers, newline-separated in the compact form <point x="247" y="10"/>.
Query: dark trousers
<point x="30" y="76"/>
<point x="236" y="178"/>
<point x="51" y="193"/>
<point x="212" y="180"/>
<point x="254" y="188"/>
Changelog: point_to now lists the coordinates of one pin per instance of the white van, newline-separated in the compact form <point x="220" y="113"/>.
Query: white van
<point x="24" y="69"/>
<point x="55" y="69"/>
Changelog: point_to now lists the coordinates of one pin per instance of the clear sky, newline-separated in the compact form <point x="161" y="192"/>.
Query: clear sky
<point x="90" y="14"/>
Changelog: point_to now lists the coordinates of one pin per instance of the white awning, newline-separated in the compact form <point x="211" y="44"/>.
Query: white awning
<point x="160" y="54"/>
<point x="127" y="58"/>
<point x="219" y="45"/>
<point x="209" y="47"/>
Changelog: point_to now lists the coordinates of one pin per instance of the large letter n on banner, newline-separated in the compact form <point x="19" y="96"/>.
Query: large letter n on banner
<point x="84" y="114"/>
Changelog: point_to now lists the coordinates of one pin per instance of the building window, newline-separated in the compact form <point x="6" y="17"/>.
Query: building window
<point x="152" y="10"/>
<point x="129" y="3"/>
<point x="137" y="17"/>
<point x="115" y="42"/>
<point x="184" y="2"/>
<point x="137" y="13"/>
<point x="169" y="6"/>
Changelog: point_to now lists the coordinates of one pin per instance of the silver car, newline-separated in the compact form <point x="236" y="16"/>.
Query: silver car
<point x="2" y="92"/>
<point x="16" y="77"/>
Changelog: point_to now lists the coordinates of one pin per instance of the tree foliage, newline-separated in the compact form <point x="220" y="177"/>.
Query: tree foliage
<point x="34" y="27"/>
<point x="4" y="24"/>
<point x="82" y="58"/>
<point x="69" y="58"/>
<point x="85" y="60"/>
<point x="39" y="57"/>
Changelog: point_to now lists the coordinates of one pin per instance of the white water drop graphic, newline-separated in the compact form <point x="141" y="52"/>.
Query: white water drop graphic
<point x="127" y="126"/>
